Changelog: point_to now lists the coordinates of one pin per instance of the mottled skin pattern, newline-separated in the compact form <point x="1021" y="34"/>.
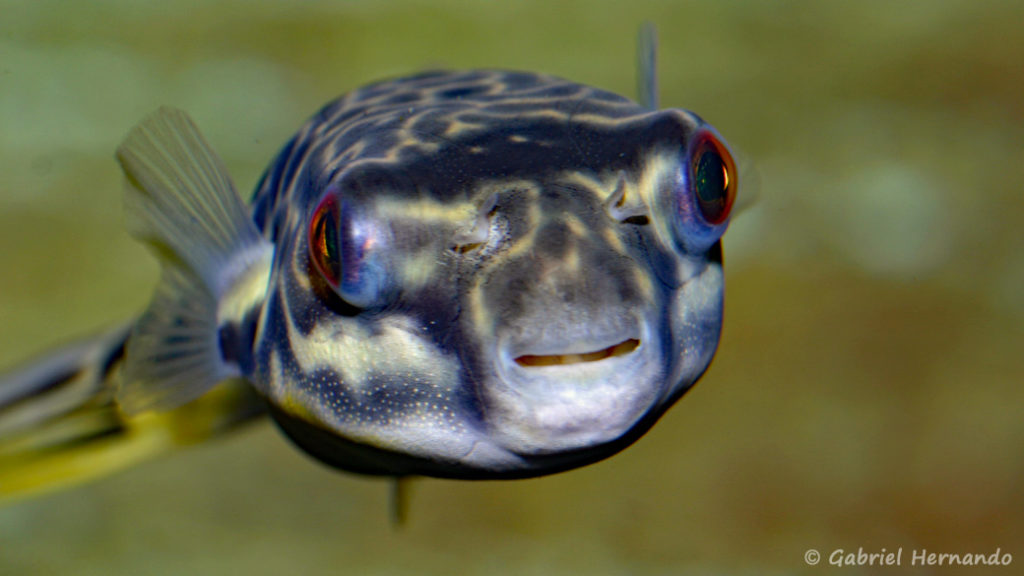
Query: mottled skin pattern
<point x="501" y="215"/>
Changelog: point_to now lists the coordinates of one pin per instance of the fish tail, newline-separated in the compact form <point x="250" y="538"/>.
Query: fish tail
<point x="60" y="424"/>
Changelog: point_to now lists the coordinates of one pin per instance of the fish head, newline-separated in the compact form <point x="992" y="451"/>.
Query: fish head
<point x="491" y="300"/>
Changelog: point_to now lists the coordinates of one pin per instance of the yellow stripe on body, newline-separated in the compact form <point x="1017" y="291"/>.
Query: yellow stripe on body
<point x="96" y="441"/>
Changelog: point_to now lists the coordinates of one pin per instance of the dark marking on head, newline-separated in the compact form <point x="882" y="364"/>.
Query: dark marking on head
<point x="464" y="91"/>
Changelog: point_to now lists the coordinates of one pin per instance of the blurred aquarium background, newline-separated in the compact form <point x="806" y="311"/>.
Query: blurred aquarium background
<point x="869" y="387"/>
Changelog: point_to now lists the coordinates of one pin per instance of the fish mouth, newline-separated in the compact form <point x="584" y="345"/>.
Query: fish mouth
<point x="622" y="348"/>
<point x="571" y="389"/>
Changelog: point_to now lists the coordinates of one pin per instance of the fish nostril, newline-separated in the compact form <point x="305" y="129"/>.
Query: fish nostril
<point x="469" y="241"/>
<point x="621" y="349"/>
<point x="626" y="206"/>
<point x="638" y="220"/>
<point x="477" y="235"/>
<point x="467" y="247"/>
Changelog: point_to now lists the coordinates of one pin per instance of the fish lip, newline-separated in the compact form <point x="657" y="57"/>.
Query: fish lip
<point x="552" y="409"/>
<point x="523" y="375"/>
<point x="569" y="358"/>
<point x="557" y="343"/>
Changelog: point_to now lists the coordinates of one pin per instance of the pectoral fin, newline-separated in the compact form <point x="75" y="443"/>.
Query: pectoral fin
<point x="181" y="203"/>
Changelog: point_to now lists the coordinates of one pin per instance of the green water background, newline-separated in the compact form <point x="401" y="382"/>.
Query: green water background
<point x="869" y="387"/>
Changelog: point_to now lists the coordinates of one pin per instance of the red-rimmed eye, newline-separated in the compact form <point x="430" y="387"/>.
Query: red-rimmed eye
<point x="325" y="240"/>
<point x="348" y="247"/>
<point x="713" y="174"/>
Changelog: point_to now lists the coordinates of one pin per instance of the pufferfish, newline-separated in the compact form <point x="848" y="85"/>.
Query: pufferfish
<point x="477" y="274"/>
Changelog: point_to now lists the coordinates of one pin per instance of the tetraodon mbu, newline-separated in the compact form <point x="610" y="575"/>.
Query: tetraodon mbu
<point x="478" y="274"/>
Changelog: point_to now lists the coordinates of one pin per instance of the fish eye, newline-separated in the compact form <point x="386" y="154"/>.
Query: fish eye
<point x="324" y="245"/>
<point x="713" y="179"/>
<point x="344" y="249"/>
<point x="696" y="202"/>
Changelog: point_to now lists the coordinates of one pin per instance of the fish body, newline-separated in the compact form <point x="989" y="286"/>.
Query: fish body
<point x="481" y="274"/>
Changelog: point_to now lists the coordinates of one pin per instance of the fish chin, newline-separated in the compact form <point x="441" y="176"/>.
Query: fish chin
<point x="573" y="398"/>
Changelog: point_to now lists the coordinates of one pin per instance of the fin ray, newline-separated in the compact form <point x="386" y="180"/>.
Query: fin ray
<point x="173" y="355"/>
<point x="181" y="198"/>
<point x="182" y="203"/>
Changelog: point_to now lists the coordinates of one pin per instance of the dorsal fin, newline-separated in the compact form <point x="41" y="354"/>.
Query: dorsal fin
<point x="646" y="66"/>
<point x="750" y="181"/>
